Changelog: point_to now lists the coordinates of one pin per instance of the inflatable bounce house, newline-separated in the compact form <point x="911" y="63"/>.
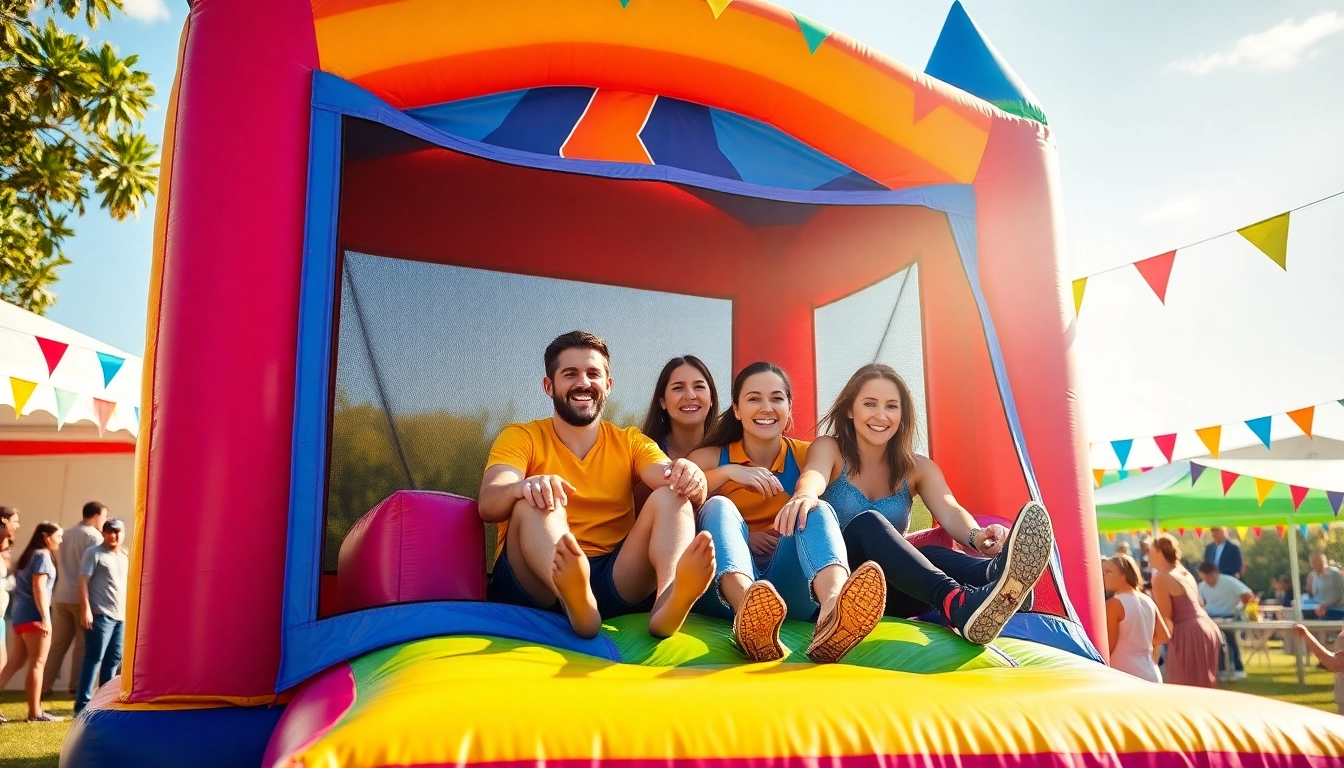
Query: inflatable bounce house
<point x="375" y="213"/>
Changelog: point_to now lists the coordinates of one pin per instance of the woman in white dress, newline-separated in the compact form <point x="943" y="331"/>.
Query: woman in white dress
<point x="1132" y="621"/>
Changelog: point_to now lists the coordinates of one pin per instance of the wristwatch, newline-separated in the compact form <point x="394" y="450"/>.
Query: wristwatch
<point x="970" y="540"/>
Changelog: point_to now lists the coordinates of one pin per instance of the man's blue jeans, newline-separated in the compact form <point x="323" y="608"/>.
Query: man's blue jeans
<point x="791" y="569"/>
<point x="102" y="655"/>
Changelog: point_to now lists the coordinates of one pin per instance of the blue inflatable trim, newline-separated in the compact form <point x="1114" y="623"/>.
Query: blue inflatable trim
<point x="221" y="737"/>
<point x="1053" y="631"/>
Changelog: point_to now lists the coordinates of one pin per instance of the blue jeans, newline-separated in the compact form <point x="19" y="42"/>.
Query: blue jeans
<point x="791" y="568"/>
<point x="102" y="654"/>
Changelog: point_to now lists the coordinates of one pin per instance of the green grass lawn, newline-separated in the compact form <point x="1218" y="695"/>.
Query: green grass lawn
<point x="37" y="745"/>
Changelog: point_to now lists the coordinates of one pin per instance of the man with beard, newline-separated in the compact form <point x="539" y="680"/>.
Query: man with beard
<point x="561" y="490"/>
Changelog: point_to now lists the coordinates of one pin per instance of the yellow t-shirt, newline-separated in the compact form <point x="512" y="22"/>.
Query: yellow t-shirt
<point x="759" y="511"/>
<point x="601" y="508"/>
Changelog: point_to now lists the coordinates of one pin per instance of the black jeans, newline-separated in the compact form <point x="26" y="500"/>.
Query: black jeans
<point x="918" y="578"/>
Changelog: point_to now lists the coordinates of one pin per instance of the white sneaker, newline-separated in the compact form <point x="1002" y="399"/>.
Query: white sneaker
<point x="1239" y="675"/>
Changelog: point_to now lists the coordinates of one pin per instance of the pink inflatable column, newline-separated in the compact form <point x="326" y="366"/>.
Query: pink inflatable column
<point x="214" y="488"/>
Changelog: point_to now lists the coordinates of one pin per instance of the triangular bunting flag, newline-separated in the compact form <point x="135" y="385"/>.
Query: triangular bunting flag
<point x="1257" y="530"/>
<point x="1242" y="530"/>
<point x="111" y="364"/>
<point x="1199" y="533"/>
<point x="1110" y="536"/>
<point x="1157" y="271"/>
<point x="1145" y="469"/>
<point x="1325" y="527"/>
<point x="1271" y="237"/>
<point x="1334" y="497"/>
<point x="1299" y="493"/>
<point x="1180" y="532"/>
<point x="1166" y="444"/>
<point x="1122" y="474"/>
<point x="1228" y="479"/>
<point x="53" y="351"/>
<point x="1283" y="531"/>
<point x="22" y="391"/>
<point x="1195" y="471"/>
<point x="1305" y="531"/>
<point x="64" y="401"/>
<point x="1262" y="489"/>
<point x="814" y="33"/>
<point x="1261" y="427"/>
<point x="1079" y="286"/>
<point x="1302" y="417"/>
<point x="103" y="409"/>
<point x="1211" y="436"/>
<point x="1121" y="448"/>
<point x="717" y="6"/>
<point x="1098" y="475"/>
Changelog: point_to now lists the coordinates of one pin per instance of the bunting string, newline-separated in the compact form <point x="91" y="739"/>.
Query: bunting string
<point x="1269" y="235"/>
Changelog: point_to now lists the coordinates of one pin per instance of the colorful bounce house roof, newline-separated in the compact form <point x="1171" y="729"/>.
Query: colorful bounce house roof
<point x="416" y="197"/>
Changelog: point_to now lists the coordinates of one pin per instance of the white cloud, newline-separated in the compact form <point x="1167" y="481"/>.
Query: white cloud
<point x="1274" y="50"/>
<point x="146" y="10"/>
<point x="1175" y="208"/>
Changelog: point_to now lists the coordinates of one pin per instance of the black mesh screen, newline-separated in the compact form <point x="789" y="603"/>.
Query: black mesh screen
<point x="433" y="360"/>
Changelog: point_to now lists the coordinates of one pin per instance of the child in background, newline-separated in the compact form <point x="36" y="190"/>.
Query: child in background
<point x="1331" y="661"/>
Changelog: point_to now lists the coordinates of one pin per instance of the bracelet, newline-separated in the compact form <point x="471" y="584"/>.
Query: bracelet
<point x="970" y="540"/>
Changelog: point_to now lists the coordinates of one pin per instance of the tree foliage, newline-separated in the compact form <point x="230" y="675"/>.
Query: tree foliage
<point x="69" y="131"/>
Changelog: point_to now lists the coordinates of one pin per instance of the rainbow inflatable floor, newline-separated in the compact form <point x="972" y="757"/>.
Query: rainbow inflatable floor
<point x="911" y="694"/>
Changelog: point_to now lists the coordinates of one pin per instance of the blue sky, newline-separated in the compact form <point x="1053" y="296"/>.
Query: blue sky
<point x="1175" y="121"/>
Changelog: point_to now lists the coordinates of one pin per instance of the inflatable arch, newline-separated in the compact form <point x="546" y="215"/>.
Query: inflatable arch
<point x="368" y="222"/>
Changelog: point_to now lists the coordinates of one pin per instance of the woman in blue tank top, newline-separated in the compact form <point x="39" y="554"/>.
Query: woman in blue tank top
<point x="866" y="470"/>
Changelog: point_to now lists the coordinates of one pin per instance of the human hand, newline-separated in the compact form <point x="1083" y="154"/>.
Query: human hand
<point x="991" y="539"/>
<point x="1301" y="631"/>
<point x="45" y="626"/>
<point x="544" y="491"/>
<point x="685" y="478"/>
<point x="758" y="479"/>
<point x="86" y="620"/>
<point x="1320" y="611"/>
<point x="763" y="543"/>
<point x="794" y="514"/>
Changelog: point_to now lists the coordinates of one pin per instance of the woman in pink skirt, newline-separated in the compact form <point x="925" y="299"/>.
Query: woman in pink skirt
<point x="1192" y="654"/>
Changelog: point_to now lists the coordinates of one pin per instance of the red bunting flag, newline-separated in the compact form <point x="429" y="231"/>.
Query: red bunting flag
<point x="1180" y="532"/>
<point x="1157" y="271"/>
<point x="1283" y="531"/>
<point x="1199" y="533"/>
<point x="1166" y="444"/>
<point x="1302" y="418"/>
<point x="53" y="351"/>
<point x="1256" y="530"/>
<point x="1228" y="479"/>
<point x="1299" y="493"/>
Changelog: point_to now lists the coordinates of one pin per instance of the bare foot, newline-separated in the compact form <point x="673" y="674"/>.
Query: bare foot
<point x="695" y="570"/>
<point x="569" y="572"/>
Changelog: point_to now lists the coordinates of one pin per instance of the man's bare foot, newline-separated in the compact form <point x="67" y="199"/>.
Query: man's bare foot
<point x="695" y="571"/>
<point x="569" y="572"/>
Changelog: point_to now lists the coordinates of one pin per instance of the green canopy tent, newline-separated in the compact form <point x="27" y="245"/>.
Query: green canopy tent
<point x="1165" y="498"/>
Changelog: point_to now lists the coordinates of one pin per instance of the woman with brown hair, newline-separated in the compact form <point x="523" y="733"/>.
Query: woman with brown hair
<point x="866" y="470"/>
<point x="685" y="406"/>
<point x="32" y="614"/>
<point x="1192" y="654"/>
<point x="1132" y="623"/>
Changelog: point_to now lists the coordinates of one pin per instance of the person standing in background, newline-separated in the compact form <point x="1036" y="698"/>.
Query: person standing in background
<point x="9" y="526"/>
<point x="65" y="611"/>
<point x="1326" y="585"/>
<point x="1224" y="553"/>
<point x="102" y="593"/>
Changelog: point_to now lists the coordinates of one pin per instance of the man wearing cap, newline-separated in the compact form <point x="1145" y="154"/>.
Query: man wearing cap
<point x="102" y="596"/>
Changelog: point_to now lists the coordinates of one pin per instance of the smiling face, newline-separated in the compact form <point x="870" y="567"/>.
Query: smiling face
<point x="763" y="406"/>
<point x="53" y="540"/>
<point x="876" y="412"/>
<point x="687" y="397"/>
<point x="580" y="386"/>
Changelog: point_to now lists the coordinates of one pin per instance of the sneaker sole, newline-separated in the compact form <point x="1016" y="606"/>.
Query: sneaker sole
<point x="757" y="625"/>
<point x="1028" y="553"/>
<point x="859" y="607"/>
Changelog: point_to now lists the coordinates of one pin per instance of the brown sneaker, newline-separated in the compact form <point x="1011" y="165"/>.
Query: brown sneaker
<point x="857" y="610"/>
<point x="756" y="626"/>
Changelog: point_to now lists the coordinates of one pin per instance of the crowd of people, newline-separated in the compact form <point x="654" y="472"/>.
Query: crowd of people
<point x="718" y="511"/>
<point x="65" y="592"/>
<point x="1154" y="600"/>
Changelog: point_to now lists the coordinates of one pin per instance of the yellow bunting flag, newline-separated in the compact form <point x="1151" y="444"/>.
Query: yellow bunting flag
<point x="1271" y="237"/>
<point x="1098" y="475"/>
<point x="1079" y="286"/>
<point x="22" y="391"/>
<point x="1302" y="418"/>
<point x="1242" y="530"/>
<point x="718" y="5"/>
<point x="1262" y="489"/>
<point x="1211" y="436"/>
